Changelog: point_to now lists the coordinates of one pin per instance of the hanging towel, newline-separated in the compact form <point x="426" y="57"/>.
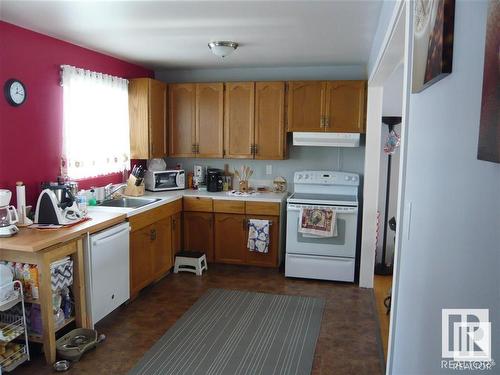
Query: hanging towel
<point x="258" y="235"/>
<point x="316" y="221"/>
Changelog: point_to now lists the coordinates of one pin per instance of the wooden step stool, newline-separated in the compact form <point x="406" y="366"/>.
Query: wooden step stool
<point x="190" y="261"/>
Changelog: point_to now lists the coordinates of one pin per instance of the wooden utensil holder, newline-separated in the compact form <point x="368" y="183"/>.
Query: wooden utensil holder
<point x="244" y="186"/>
<point x="133" y="190"/>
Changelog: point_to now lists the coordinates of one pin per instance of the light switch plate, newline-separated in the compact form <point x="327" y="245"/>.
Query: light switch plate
<point x="269" y="169"/>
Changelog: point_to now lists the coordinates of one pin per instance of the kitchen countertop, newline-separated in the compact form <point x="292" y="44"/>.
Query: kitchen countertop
<point x="33" y="240"/>
<point x="173" y="195"/>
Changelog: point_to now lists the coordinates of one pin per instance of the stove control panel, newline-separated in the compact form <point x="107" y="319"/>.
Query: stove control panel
<point x="326" y="178"/>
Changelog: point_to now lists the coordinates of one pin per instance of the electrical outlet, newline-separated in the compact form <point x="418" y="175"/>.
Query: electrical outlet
<point x="269" y="169"/>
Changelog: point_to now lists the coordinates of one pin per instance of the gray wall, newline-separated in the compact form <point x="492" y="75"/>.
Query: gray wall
<point x="451" y="256"/>
<point x="281" y="73"/>
<point x="300" y="158"/>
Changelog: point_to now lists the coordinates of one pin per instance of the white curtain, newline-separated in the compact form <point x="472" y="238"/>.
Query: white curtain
<point x="95" y="123"/>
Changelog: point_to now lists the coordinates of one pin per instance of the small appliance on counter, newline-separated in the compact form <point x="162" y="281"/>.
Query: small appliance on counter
<point x="214" y="180"/>
<point x="8" y="215"/>
<point x="165" y="180"/>
<point x="198" y="176"/>
<point x="57" y="205"/>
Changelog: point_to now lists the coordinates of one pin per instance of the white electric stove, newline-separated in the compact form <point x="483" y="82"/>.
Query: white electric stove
<point x="326" y="258"/>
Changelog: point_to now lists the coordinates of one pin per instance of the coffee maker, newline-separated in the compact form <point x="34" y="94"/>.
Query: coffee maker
<point x="8" y="215"/>
<point x="214" y="179"/>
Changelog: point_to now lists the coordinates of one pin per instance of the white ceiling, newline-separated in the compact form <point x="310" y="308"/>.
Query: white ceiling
<point x="174" y="34"/>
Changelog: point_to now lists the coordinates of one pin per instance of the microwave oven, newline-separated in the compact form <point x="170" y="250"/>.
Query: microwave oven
<point x="165" y="180"/>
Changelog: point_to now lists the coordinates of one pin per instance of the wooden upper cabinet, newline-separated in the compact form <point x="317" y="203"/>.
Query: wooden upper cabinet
<point x="239" y="120"/>
<point x="182" y="119"/>
<point x="305" y="106"/>
<point x="270" y="135"/>
<point x="345" y="106"/>
<point x="209" y="120"/>
<point x="148" y="114"/>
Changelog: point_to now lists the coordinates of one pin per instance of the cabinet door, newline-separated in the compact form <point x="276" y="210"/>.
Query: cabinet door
<point x="269" y="259"/>
<point x="182" y="119"/>
<point x="305" y="106"/>
<point x="161" y="250"/>
<point x="176" y="235"/>
<point x="209" y="120"/>
<point x="157" y="119"/>
<point x="270" y="136"/>
<point x="230" y="238"/>
<point x="140" y="259"/>
<point x="138" y="106"/>
<point x="198" y="233"/>
<point x="239" y="120"/>
<point x="345" y="106"/>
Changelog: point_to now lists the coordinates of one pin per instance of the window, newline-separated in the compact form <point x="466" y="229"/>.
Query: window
<point x="95" y="123"/>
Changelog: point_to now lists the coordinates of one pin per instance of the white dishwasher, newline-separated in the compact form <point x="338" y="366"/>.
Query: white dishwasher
<point x="107" y="271"/>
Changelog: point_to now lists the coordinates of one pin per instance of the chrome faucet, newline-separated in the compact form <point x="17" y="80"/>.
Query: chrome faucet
<point x="109" y="190"/>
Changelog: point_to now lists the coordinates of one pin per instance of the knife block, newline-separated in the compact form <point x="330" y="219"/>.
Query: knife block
<point x="133" y="190"/>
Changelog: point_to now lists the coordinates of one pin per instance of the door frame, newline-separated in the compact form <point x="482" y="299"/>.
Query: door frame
<point x="386" y="63"/>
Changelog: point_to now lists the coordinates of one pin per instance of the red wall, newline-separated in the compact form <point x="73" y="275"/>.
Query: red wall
<point x="31" y="135"/>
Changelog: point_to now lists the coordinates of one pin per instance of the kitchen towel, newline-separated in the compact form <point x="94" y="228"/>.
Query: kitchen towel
<point x="258" y="235"/>
<point x="316" y="221"/>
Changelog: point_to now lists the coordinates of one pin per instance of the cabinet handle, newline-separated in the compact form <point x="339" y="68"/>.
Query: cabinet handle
<point x="255" y="149"/>
<point x="327" y="122"/>
<point x="152" y="234"/>
<point x="173" y="224"/>
<point x="198" y="148"/>
<point x="322" y="122"/>
<point x="193" y="148"/>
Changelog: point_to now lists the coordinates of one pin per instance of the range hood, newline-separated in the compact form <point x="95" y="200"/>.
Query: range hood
<point x="326" y="139"/>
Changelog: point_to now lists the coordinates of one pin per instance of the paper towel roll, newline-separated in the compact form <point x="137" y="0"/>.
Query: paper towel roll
<point x="21" y="201"/>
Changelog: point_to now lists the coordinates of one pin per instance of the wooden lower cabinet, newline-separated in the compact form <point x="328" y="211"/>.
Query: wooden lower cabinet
<point x="161" y="247"/>
<point x="230" y="238"/>
<point x="151" y="243"/>
<point x="176" y="234"/>
<point x="140" y="259"/>
<point x="198" y="233"/>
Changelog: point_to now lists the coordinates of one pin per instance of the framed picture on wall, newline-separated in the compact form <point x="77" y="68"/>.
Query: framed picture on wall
<point x="489" y="127"/>
<point x="432" y="42"/>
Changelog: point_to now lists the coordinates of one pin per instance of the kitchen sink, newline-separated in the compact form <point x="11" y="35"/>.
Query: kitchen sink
<point x="128" y="202"/>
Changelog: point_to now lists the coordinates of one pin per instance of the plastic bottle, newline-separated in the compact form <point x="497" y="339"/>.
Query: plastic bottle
<point x="92" y="201"/>
<point x="34" y="281"/>
<point x="81" y="200"/>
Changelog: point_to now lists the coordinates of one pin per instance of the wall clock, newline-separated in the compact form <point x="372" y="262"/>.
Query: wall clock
<point x="15" y="92"/>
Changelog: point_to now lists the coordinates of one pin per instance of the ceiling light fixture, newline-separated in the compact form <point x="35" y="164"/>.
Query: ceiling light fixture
<point x="222" y="48"/>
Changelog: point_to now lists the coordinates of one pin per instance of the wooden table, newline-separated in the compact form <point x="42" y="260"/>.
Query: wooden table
<point x="45" y="247"/>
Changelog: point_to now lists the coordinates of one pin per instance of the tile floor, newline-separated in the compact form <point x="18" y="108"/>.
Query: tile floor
<point x="349" y="340"/>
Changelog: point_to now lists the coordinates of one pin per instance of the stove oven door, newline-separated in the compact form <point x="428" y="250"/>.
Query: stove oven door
<point x="342" y="245"/>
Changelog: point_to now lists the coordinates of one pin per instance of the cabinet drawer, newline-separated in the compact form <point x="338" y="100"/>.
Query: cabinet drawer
<point x="198" y="204"/>
<point x="151" y="216"/>
<point x="229" y="206"/>
<point x="263" y="208"/>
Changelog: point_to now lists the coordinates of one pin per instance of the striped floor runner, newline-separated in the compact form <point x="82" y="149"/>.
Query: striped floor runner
<point x="239" y="333"/>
